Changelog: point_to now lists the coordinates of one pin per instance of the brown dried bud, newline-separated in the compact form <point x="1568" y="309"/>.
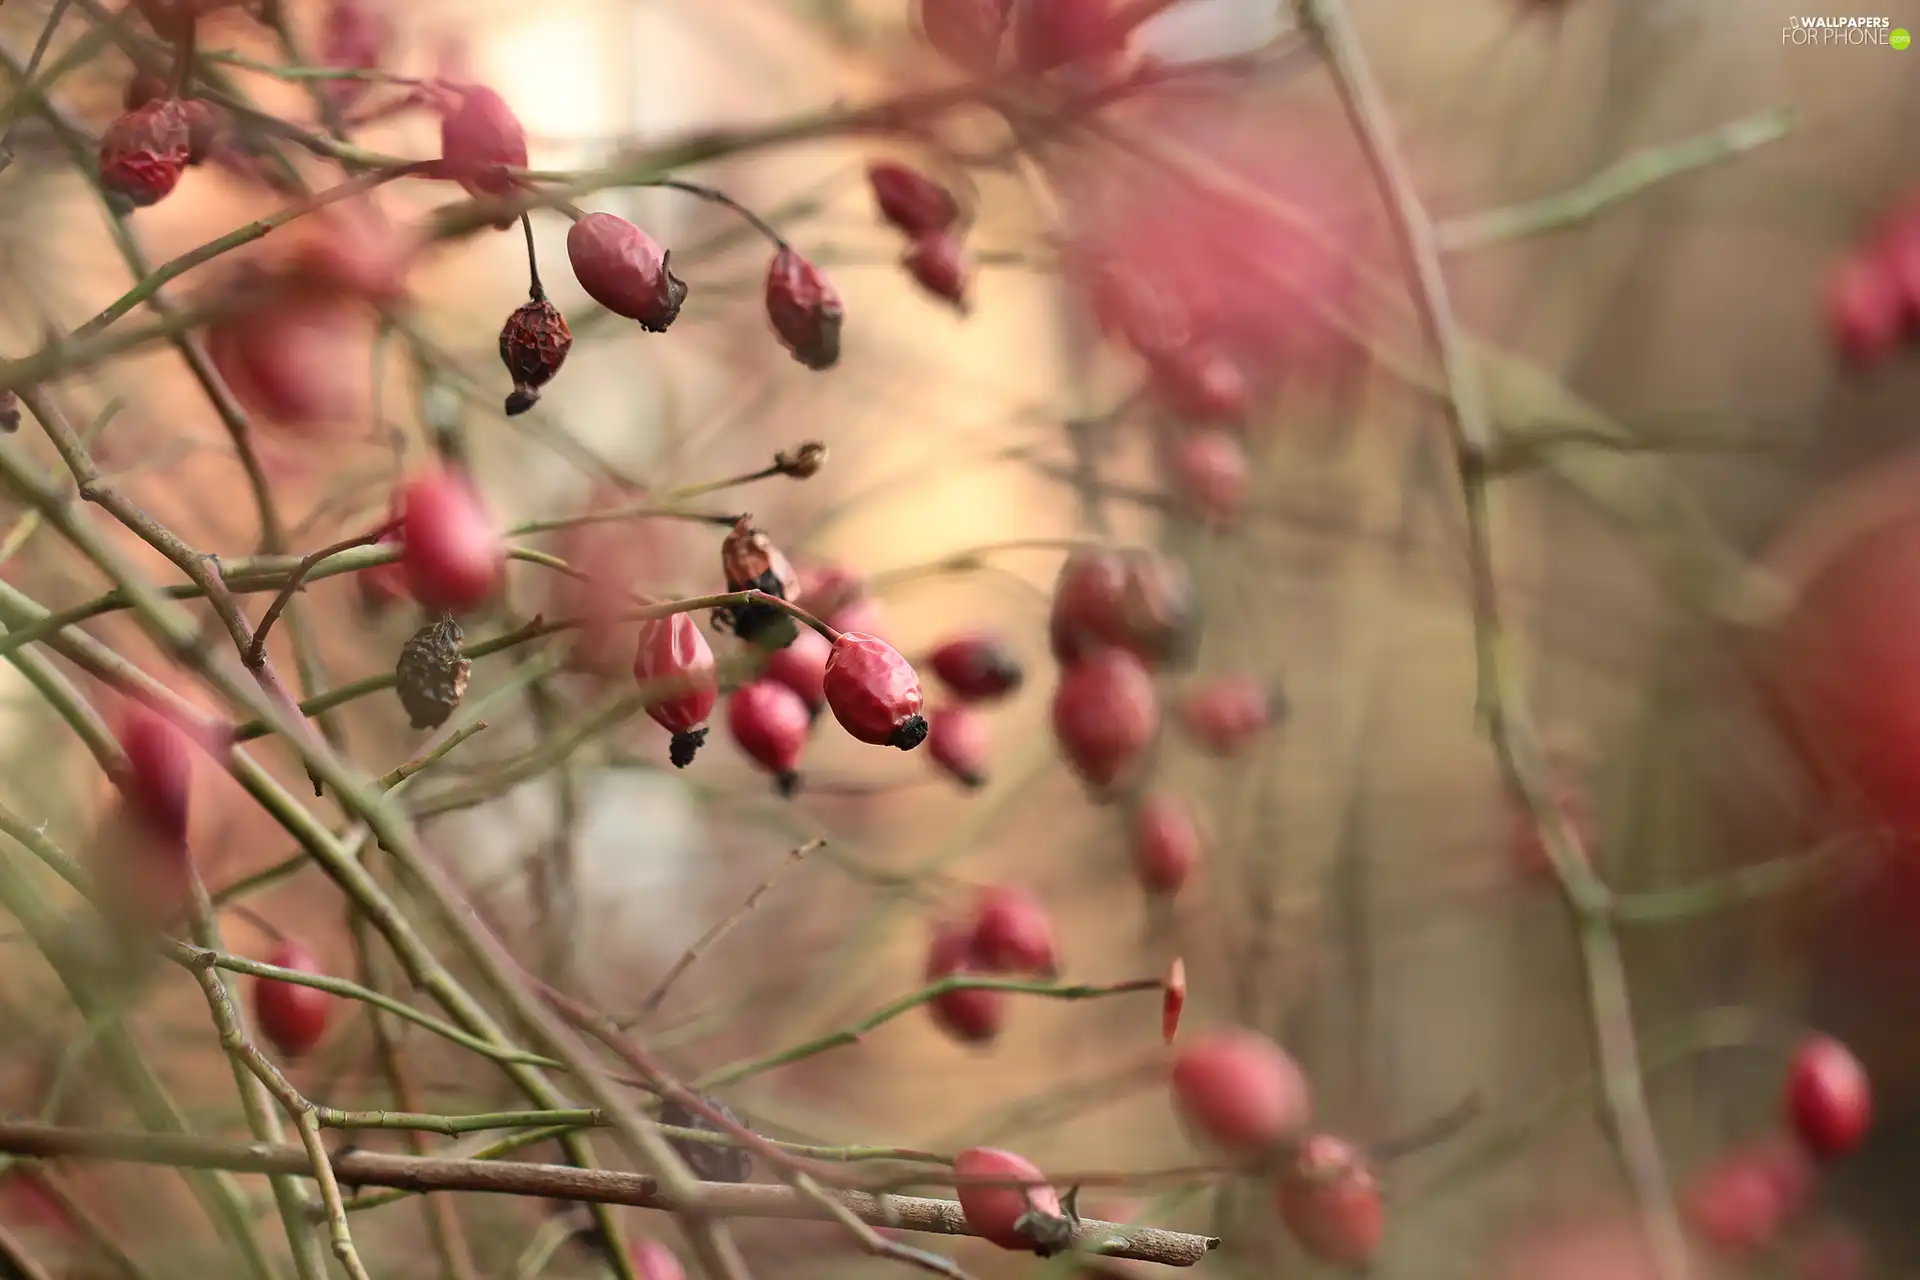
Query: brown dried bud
<point x="144" y="152"/>
<point x="9" y="411"/>
<point x="431" y="676"/>
<point x="712" y="1163"/>
<point x="805" y="310"/>
<point x="803" y="462"/>
<point x="533" y="345"/>
<point x="751" y="562"/>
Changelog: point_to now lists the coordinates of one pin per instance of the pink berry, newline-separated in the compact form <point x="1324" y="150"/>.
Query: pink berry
<point x="1741" y="1202"/>
<point x="1210" y="475"/>
<point x="957" y="739"/>
<point x="454" y="556"/>
<point x="1053" y="33"/>
<point x="969" y="1016"/>
<point x="910" y="200"/>
<point x="654" y="1261"/>
<point x="1166" y="843"/>
<point x="770" y="723"/>
<point x="1012" y="933"/>
<point x="874" y="692"/>
<point x="939" y="263"/>
<point x="354" y="36"/>
<point x="1828" y="1098"/>
<point x="143" y="87"/>
<point x="994" y="1212"/>
<point x="1224" y="716"/>
<point x="977" y="668"/>
<point x="481" y="138"/>
<point x="674" y="656"/>
<point x="1106" y="714"/>
<point x="802" y="667"/>
<point x="805" y="310"/>
<point x="1199" y="384"/>
<point x="144" y="152"/>
<point x="1330" y="1202"/>
<point x="285" y="359"/>
<point x="1135" y="600"/>
<point x="624" y="270"/>
<point x="383" y="584"/>
<point x="1865" y="311"/>
<point x="966" y="33"/>
<point x="1240" y="1091"/>
<point x="158" y="780"/>
<point x="292" y="1017"/>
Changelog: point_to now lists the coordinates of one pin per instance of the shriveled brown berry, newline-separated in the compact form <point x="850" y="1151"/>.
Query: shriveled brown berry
<point x="712" y="1162"/>
<point x="144" y="152"/>
<point x="805" y="310"/>
<point x="431" y="676"/>
<point x="751" y="562"/>
<point x="533" y="345"/>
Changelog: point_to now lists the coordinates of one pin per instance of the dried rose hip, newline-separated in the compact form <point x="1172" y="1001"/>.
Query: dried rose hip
<point x="674" y="653"/>
<point x="1330" y="1201"/>
<point x="480" y="139"/>
<point x="1134" y="599"/>
<point x="1166" y="843"/>
<point x="533" y="345"/>
<point x="1828" y="1097"/>
<point x="966" y="33"/>
<point x="1025" y="1219"/>
<point x="1223" y="716"/>
<point x="770" y="724"/>
<point x="910" y="200"/>
<point x="454" y="556"/>
<point x="1210" y="475"/>
<point x="158" y="778"/>
<point x="1106" y="713"/>
<point x="1012" y="933"/>
<point x="750" y="562"/>
<point x="939" y="263"/>
<point x="805" y="310"/>
<point x="144" y="152"/>
<point x="977" y="667"/>
<point x="713" y="1163"/>
<point x="802" y="667"/>
<point x="292" y="1017"/>
<point x="431" y="675"/>
<point x="874" y="692"/>
<point x="623" y="270"/>
<point x="1239" y="1090"/>
<point x="972" y="1016"/>
<point x="957" y="740"/>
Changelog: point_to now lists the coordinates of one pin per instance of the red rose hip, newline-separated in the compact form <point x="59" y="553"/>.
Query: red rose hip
<point x="1865" y="310"/>
<point x="1210" y="473"/>
<point x="144" y="152"/>
<point x="1240" y="1091"/>
<point x="977" y="668"/>
<point x="957" y="740"/>
<point x="1053" y="33"/>
<point x="874" y="692"/>
<point x="1330" y="1202"/>
<point x="454" y="556"/>
<point x="966" y="33"/>
<point x="972" y="1016"/>
<point x="481" y="138"/>
<point x="802" y="667"/>
<point x="805" y="310"/>
<point x="1135" y="600"/>
<point x="1012" y="933"/>
<point x="910" y="200"/>
<point x="939" y="264"/>
<point x="1166" y="843"/>
<point x="1225" y="715"/>
<point x="292" y="1017"/>
<point x="770" y="722"/>
<point x="674" y="656"/>
<point x="158" y="778"/>
<point x="1106" y="713"/>
<point x="624" y="270"/>
<point x="1828" y="1098"/>
<point x="654" y="1261"/>
<point x="996" y="1213"/>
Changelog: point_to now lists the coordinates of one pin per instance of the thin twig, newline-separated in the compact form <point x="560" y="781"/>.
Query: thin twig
<point x="721" y="928"/>
<point x="256" y="653"/>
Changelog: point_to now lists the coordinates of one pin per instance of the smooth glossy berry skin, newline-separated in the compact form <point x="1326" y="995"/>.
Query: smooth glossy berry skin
<point x="977" y="668"/>
<point x="1225" y="716"/>
<point x="284" y="359"/>
<point x="481" y="138"/>
<point x="1135" y="600"/>
<point x="624" y="270"/>
<point x="1166" y="843"/>
<point x="1240" y="1091"/>
<point x="158" y="779"/>
<point x="674" y="656"/>
<point x="940" y="264"/>
<point x="1330" y="1201"/>
<point x="910" y="200"/>
<point x="293" y="1018"/>
<point x="1742" y="1202"/>
<point x="533" y="345"/>
<point x="1106" y="714"/>
<point x="993" y="1211"/>
<point x="1865" y="310"/>
<point x="770" y="723"/>
<point x="1048" y="34"/>
<point x="973" y="1016"/>
<point x="1012" y="933"/>
<point x="958" y="741"/>
<point x="967" y="33"/>
<point x="874" y="692"/>
<point x="805" y="310"/>
<point x="454" y="556"/>
<point x="654" y="1261"/>
<point x="1829" y="1100"/>
<point x="1209" y="471"/>
<point x="144" y="152"/>
<point x="802" y="667"/>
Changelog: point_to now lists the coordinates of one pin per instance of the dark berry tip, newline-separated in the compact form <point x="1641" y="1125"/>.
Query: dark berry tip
<point x="685" y="743"/>
<point x="520" y="400"/>
<point x="786" y="784"/>
<point x="1278" y="707"/>
<point x="909" y="733"/>
<point x="973" y="781"/>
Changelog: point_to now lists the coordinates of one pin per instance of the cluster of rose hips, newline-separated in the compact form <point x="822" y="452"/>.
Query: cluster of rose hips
<point x="936" y="258"/>
<point x="1873" y="294"/>
<point x="1742" y="1201"/>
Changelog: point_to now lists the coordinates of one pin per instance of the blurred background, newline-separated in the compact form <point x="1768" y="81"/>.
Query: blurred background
<point x="1361" y="899"/>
